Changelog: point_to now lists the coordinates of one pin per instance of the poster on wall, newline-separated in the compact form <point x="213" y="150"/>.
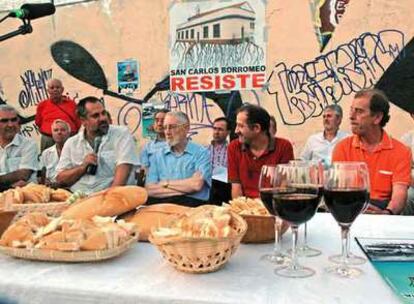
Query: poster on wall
<point x="128" y="76"/>
<point x="217" y="45"/>
<point x="148" y="117"/>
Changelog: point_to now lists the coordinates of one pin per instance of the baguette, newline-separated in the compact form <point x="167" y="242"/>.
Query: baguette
<point x="110" y="202"/>
<point x="155" y="216"/>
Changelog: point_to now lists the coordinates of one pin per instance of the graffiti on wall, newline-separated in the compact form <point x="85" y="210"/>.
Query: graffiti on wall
<point x="326" y="15"/>
<point x="303" y="90"/>
<point x="34" y="87"/>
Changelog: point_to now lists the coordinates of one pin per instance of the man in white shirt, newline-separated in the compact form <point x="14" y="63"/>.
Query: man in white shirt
<point x="50" y="157"/>
<point x="99" y="156"/>
<point x="319" y="146"/>
<point x="18" y="154"/>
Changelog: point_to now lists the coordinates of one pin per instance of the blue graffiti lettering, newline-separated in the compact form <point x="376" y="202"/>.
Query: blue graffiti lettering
<point x="304" y="90"/>
<point x="35" y="87"/>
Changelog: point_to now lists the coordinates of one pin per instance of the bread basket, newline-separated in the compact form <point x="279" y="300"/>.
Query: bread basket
<point x="201" y="255"/>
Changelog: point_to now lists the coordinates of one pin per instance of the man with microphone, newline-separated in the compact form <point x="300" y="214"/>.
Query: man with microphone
<point x="100" y="155"/>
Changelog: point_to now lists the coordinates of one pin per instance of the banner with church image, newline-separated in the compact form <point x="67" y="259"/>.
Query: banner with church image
<point x="217" y="45"/>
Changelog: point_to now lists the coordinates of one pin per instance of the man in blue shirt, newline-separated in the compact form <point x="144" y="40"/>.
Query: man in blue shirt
<point x="180" y="172"/>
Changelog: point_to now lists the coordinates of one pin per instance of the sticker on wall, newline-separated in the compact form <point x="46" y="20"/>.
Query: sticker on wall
<point x="148" y="112"/>
<point x="128" y="76"/>
<point x="326" y="15"/>
<point x="217" y="46"/>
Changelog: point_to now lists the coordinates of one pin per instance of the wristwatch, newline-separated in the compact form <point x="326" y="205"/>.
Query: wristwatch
<point x="165" y="184"/>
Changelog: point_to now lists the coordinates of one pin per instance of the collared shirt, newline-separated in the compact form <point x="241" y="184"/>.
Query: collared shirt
<point x="244" y="168"/>
<point x="166" y="165"/>
<point x="317" y="147"/>
<point x="20" y="153"/>
<point x="218" y="153"/>
<point x="49" y="159"/>
<point x="389" y="163"/>
<point x="149" y="149"/>
<point x="117" y="148"/>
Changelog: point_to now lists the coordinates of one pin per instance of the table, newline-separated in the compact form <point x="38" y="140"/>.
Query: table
<point x="142" y="276"/>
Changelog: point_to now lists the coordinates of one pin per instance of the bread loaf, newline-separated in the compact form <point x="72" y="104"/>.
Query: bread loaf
<point x="154" y="216"/>
<point x="110" y="202"/>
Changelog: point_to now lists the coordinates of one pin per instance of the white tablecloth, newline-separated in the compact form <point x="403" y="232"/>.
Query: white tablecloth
<point x="141" y="275"/>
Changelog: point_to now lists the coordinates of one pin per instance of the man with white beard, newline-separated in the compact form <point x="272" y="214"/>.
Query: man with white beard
<point x="180" y="172"/>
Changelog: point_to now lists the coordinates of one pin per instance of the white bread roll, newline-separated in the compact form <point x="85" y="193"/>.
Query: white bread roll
<point x="110" y="202"/>
<point x="154" y="216"/>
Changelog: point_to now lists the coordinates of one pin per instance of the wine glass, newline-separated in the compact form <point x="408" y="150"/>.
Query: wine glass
<point x="266" y="189"/>
<point x="305" y="250"/>
<point x="295" y="200"/>
<point x="346" y="193"/>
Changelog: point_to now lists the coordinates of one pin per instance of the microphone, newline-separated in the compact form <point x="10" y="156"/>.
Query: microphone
<point x="33" y="11"/>
<point x="91" y="169"/>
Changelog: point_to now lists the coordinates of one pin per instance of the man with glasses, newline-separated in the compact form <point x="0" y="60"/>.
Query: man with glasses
<point x="18" y="155"/>
<point x="99" y="157"/>
<point x="180" y="172"/>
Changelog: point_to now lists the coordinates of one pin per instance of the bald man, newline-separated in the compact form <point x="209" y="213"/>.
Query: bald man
<point x="57" y="106"/>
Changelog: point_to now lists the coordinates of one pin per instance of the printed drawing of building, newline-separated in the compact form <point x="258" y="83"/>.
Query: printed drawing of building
<point x="232" y="24"/>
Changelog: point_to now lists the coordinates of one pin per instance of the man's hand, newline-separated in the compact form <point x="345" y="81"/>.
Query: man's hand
<point x="20" y="183"/>
<point x="90" y="159"/>
<point x="375" y="210"/>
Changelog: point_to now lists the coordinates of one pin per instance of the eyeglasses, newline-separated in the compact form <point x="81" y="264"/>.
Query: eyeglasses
<point x="173" y="127"/>
<point x="6" y="120"/>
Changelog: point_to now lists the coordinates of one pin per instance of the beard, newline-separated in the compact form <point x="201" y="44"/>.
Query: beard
<point x="103" y="128"/>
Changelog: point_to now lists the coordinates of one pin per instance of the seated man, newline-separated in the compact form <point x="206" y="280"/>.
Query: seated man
<point x="107" y="148"/>
<point x="18" y="154"/>
<point x="154" y="145"/>
<point x="254" y="148"/>
<point x="319" y="146"/>
<point x="220" y="190"/>
<point x="50" y="157"/>
<point x="180" y="172"/>
<point x="388" y="160"/>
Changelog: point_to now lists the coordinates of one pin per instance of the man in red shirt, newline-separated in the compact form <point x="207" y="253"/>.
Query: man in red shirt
<point x="387" y="159"/>
<point x="56" y="107"/>
<point x="253" y="149"/>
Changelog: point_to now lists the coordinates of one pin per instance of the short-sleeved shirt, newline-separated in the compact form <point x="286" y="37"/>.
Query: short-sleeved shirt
<point x="388" y="164"/>
<point x="117" y="148"/>
<point x="20" y="153"/>
<point x="317" y="147"/>
<point x="49" y="159"/>
<point x="166" y="165"/>
<point x="149" y="149"/>
<point x="218" y="154"/>
<point x="244" y="168"/>
<point x="47" y="112"/>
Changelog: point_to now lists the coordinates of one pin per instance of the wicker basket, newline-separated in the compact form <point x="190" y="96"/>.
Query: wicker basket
<point x="201" y="255"/>
<point x="53" y="209"/>
<point x="69" y="256"/>
<point x="260" y="229"/>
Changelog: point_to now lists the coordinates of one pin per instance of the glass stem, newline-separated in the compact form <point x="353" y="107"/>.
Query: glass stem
<point x="294" y="263"/>
<point x="276" y="247"/>
<point x="305" y="236"/>
<point x="345" y="244"/>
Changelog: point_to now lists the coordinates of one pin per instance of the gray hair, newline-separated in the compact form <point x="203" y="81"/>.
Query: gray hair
<point x="336" y="108"/>
<point x="62" y="122"/>
<point x="8" y="108"/>
<point x="180" y="116"/>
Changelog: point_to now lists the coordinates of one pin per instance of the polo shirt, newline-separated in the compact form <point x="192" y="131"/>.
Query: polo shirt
<point x="20" y="153"/>
<point x="117" y="147"/>
<point x="166" y="165"/>
<point x="149" y="149"/>
<point x="317" y="147"/>
<point x="244" y="167"/>
<point x="389" y="163"/>
<point x="47" y="112"/>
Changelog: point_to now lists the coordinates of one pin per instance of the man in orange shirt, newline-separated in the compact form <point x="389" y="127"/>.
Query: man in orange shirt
<point x="388" y="160"/>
